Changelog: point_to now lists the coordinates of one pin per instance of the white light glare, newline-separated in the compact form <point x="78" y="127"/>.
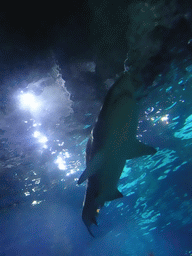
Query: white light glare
<point x="37" y="134"/>
<point x="67" y="155"/>
<point x="36" y="202"/>
<point x="165" y="118"/>
<point x="61" y="163"/>
<point x="41" y="138"/>
<point x="28" y="101"/>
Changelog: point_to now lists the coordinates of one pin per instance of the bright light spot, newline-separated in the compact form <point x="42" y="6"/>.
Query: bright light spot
<point x="37" y="181"/>
<point x="36" y="202"/>
<point x="149" y="110"/>
<point x="67" y="155"/>
<point x="37" y="134"/>
<point x="71" y="172"/>
<point x="61" y="144"/>
<point x="165" y="118"/>
<point x="61" y="163"/>
<point x="28" y="101"/>
<point x="27" y="193"/>
<point x="41" y="138"/>
<point x="35" y="124"/>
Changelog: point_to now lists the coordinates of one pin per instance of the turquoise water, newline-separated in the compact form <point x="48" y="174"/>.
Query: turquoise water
<point x="43" y="134"/>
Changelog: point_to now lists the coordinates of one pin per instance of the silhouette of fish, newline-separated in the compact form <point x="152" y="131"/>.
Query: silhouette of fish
<point x="111" y="143"/>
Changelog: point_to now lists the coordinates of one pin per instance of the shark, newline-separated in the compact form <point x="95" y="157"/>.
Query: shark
<point x="112" y="141"/>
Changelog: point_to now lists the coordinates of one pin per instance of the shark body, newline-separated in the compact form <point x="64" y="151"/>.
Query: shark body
<point x="111" y="143"/>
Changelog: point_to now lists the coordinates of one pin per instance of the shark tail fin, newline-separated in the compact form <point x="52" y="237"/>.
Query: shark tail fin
<point x="90" y="212"/>
<point x="89" y="229"/>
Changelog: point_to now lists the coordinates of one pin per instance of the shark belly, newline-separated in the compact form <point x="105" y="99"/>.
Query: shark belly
<point x="121" y="126"/>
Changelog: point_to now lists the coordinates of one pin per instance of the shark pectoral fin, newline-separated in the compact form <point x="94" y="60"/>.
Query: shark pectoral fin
<point x="83" y="177"/>
<point x="88" y="225"/>
<point x="141" y="149"/>
<point x="90" y="232"/>
<point x="92" y="167"/>
<point x="116" y="195"/>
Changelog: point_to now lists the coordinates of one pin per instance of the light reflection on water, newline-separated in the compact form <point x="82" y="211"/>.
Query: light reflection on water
<point x="158" y="119"/>
<point x="141" y="178"/>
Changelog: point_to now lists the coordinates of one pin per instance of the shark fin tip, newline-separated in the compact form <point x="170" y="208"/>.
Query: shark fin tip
<point x="82" y="178"/>
<point x="90" y="232"/>
<point x="79" y="182"/>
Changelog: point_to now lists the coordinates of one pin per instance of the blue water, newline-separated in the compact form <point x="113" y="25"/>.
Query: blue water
<point x="43" y="135"/>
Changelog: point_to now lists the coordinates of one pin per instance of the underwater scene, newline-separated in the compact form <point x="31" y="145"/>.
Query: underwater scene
<point x="46" y="117"/>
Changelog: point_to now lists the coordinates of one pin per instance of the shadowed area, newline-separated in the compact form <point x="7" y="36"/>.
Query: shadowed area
<point x="58" y="65"/>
